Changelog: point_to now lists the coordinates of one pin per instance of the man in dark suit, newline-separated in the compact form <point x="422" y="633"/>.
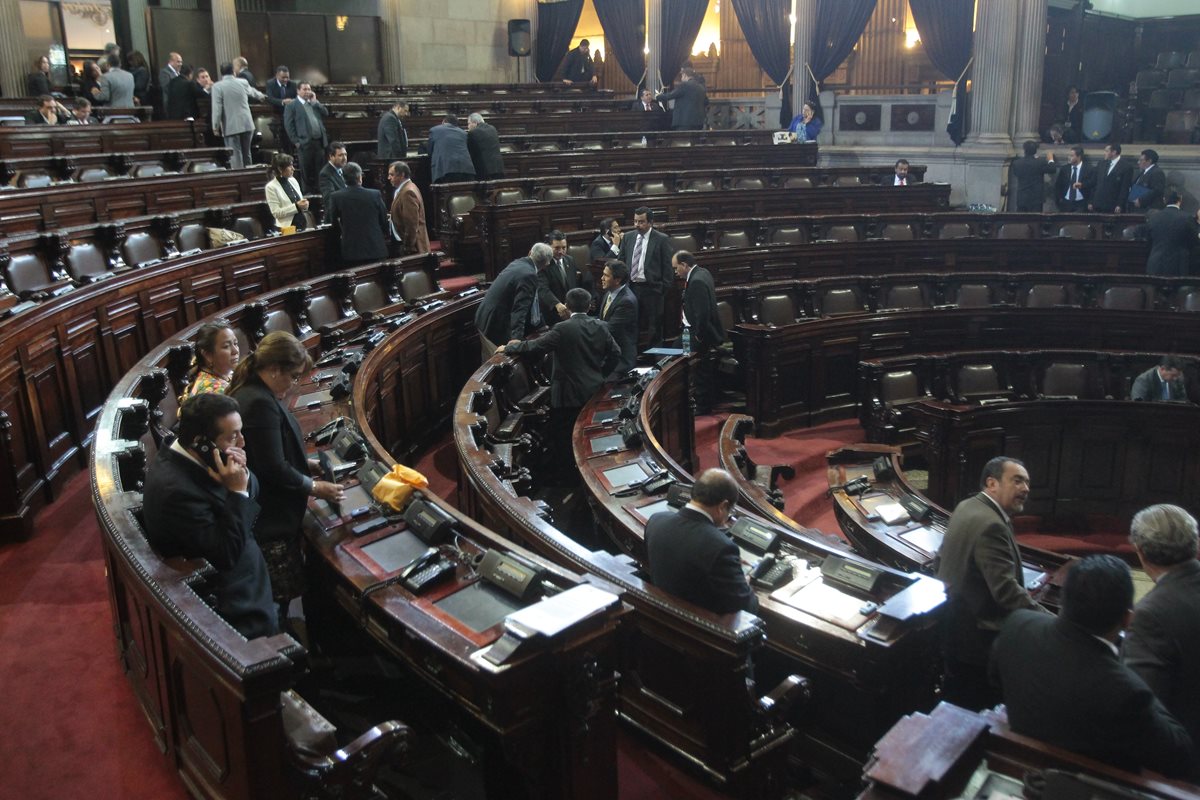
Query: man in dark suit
<point x="646" y="103"/>
<point x="1149" y="186"/>
<point x="578" y="68"/>
<point x="1162" y="644"/>
<point x="1064" y="684"/>
<point x="281" y="93"/>
<point x="393" y="139"/>
<point x="1111" y="179"/>
<point x="1172" y="236"/>
<point x="584" y="354"/>
<point x="557" y="279"/>
<point x="690" y="98"/>
<point x="509" y="311"/>
<point x="1072" y="126"/>
<point x="304" y="121"/>
<point x="607" y="243"/>
<point x="1073" y="181"/>
<point x="449" y="159"/>
<point x="360" y="217"/>
<point x="170" y="71"/>
<point x="702" y="322"/>
<point x="183" y="95"/>
<point x="48" y="112"/>
<point x="241" y="68"/>
<point x="981" y="567"/>
<point x="648" y="255"/>
<point x="331" y="179"/>
<point x="483" y="143"/>
<point x="619" y="310"/>
<point x="689" y="555"/>
<point x="1027" y="172"/>
<point x="199" y="502"/>
<point x="1162" y="383"/>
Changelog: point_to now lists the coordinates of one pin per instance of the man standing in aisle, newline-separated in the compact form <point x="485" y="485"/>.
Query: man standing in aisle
<point x="231" y="118"/>
<point x="702" y="324"/>
<point x="304" y="121"/>
<point x="981" y="567"/>
<point x="648" y="254"/>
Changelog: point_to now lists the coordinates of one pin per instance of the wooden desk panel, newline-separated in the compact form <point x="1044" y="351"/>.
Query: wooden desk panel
<point x="63" y="140"/>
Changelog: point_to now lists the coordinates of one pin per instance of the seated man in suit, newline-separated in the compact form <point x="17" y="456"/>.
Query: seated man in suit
<point x="1162" y="644"/>
<point x="689" y="555"/>
<point x="199" y="502"/>
<point x="48" y="112"/>
<point x="1064" y="684"/>
<point x="1072" y="182"/>
<point x="1163" y="383"/>
<point x="619" y="310"/>
<point x="646" y="103"/>
<point x="81" y="112"/>
<point x="510" y="311"/>
<point x="584" y="354"/>
<point x="557" y="279"/>
<point x="361" y="218"/>
<point x="607" y="243"/>
<point x="330" y="179"/>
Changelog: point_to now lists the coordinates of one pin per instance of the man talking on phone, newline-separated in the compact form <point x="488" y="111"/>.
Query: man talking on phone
<point x="199" y="502"/>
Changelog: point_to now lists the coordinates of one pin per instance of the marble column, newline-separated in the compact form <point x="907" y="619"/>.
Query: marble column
<point x="654" y="11"/>
<point x="226" y="44"/>
<point x="391" y="20"/>
<point x="1027" y="82"/>
<point x="15" y="63"/>
<point x="996" y="24"/>
<point x="803" y="30"/>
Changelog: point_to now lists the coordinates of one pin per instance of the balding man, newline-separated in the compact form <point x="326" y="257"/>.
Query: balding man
<point x="168" y="73"/>
<point x="691" y="557"/>
<point x="483" y="143"/>
<point x="509" y="311"/>
<point x="1162" y="645"/>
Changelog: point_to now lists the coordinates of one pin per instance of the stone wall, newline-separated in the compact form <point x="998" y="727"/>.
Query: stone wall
<point x="459" y="41"/>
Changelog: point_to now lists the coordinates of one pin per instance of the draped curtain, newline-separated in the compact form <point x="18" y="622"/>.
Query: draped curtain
<point x="840" y="23"/>
<point x="624" y="24"/>
<point x="766" y="24"/>
<point x="945" y="28"/>
<point x="556" y="23"/>
<point x="681" y="20"/>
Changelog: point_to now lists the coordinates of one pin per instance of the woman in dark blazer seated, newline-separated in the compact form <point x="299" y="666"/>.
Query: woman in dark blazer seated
<point x="275" y="454"/>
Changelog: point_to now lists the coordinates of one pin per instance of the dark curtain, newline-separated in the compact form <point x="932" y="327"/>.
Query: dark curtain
<point x="839" y="25"/>
<point x="945" y="28"/>
<point x="681" y="21"/>
<point x="765" y="24"/>
<point x="556" y="23"/>
<point x="624" y="24"/>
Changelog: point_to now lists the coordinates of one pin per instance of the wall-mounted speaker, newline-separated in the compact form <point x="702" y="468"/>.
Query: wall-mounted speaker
<point x="520" y="37"/>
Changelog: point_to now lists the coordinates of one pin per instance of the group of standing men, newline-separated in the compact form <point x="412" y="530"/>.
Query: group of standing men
<point x="1069" y="680"/>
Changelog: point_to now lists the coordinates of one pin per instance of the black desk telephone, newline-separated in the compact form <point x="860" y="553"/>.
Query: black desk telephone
<point x="771" y="572"/>
<point x="426" y="570"/>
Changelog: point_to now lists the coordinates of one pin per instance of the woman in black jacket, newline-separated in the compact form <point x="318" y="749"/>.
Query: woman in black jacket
<point x="275" y="454"/>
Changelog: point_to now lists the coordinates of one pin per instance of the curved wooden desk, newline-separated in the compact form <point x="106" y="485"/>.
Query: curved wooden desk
<point x="865" y="670"/>
<point x="545" y="715"/>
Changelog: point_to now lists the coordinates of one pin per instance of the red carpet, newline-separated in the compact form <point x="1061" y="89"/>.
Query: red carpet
<point x="804" y="449"/>
<point x="68" y="724"/>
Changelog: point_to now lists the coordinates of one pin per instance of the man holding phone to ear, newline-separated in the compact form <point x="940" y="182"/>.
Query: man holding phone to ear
<point x="199" y="502"/>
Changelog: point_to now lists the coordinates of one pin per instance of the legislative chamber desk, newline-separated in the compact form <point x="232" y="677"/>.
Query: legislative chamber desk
<point x="867" y="656"/>
<point x="805" y="373"/>
<point x="64" y="140"/>
<point x="952" y="753"/>
<point x="542" y="714"/>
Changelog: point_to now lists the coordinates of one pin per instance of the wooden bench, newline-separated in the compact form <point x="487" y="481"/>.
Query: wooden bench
<point x="40" y="140"/>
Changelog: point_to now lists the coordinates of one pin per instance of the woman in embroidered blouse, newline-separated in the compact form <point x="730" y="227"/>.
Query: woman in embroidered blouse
<point x="216" y="356"/>
<point x="284" y="198"/>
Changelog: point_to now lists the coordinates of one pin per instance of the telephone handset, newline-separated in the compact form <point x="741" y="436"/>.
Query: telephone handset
<point x="427" y="569"/>
<point x="771" y="572"/>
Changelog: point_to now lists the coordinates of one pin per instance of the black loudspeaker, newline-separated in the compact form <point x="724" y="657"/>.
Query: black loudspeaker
<point x="520" y="37"/>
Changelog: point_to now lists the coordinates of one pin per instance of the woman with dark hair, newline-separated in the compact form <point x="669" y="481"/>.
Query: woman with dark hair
<point x="275" y="454"/>
<point x="89" y="84"/>
<point x="216" y="356"/>
<point x="38" y="82"/>
<point x="284" y="198"/>
<point x="806" y="125"/>
<point x="141" y="77"/>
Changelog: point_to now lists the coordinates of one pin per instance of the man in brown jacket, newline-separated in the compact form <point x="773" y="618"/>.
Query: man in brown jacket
<point x="408" y="210"/>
